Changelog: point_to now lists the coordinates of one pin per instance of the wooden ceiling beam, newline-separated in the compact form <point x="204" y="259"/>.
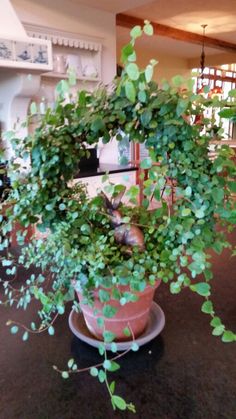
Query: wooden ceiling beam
<point x="127" y="21"/>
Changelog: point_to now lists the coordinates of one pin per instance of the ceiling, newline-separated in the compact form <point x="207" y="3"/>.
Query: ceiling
<point x="113" y="6"/>
<point x="188" y="15"/>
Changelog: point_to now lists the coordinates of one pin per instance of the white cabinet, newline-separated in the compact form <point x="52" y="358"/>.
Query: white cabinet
<point x="94" y="183"/>
<point x="82" y="53"/>
<point x="85" y="63"/>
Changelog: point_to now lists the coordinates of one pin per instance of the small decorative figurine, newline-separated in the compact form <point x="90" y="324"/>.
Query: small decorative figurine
<point x="124" y="233"/>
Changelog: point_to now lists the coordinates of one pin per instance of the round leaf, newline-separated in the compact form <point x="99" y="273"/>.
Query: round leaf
<point x="119" y="402"/>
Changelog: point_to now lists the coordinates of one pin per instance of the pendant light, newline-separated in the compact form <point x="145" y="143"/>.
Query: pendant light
<point x="200" y="89"/>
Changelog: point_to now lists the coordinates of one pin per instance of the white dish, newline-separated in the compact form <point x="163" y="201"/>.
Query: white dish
<point x="154" y="327"/>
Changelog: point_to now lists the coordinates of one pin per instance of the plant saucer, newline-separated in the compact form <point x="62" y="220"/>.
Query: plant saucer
<point x="156" y="323"/>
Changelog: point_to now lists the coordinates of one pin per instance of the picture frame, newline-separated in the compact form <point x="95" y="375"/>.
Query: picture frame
<point x="26" y="53"/>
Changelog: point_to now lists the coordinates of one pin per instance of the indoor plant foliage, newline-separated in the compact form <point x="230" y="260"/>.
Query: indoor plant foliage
<point x="80" y="251"/>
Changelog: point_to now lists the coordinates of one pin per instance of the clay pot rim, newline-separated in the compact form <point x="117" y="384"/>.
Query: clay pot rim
<point x="124" y="288"/>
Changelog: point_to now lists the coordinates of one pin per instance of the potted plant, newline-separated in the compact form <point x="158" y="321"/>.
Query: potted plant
<point x="90" y="246"/>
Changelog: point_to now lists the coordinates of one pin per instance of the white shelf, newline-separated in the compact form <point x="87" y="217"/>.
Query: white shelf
<point x="64" y="76"/>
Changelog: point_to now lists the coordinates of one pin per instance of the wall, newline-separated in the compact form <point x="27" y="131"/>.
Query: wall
<point x="67" y="16"/>
<point x="167" y="67"/>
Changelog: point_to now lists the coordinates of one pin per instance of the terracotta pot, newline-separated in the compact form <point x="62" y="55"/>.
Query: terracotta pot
<point x="133" y="315"/>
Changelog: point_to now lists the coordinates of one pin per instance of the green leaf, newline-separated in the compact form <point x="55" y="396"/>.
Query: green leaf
<point x="100" y="322"/>
<point x="145" y="203"/>
<point x="146" y="163"/>
<point x="104" y="296"/>
<point x="112" y="387"/>
<point x="107" y="364"/>
<point x="181" y="106"/>
<point x="60" y="309"/>
<point x="49" y="207"/>
<point x="232" y="186"/>
<point x="132" y="57"/>
<point x="8" y="135"/>
<point x="232" y="93"/>
<point x="108" y="336"/>
<point x="62" y="87"/>
<point x="133" y="191"/>
<point x="70" y="363"/>
<point x="85" y="228"/>
<point x="114" y="366"/>
<point x="190" y="84"/>
<point x="217" y="331"/>
<point x="216" y="322"/>
<point x="123" y="301"/>
<point x="65" y="374"/>
<point x="6" y="262"/>
<point x="126" y="331"/>
<point x="101" y="376"/>
<point x="202" y="288"/>
<point x="228" y="336"/>
<point x="218" y="246"/>
<point x="185" y="212"/>
<point x="177" y="80"/>
<point x="134" y="347"/>
<point x="114" y="347"/>
<point x="82" y="98"/>
<point x="148" y="29"/>
<point x="51" y="330"/>
<point x="207" y="307"/>
<point x="25" y="336"/>
<point x="142" y="96"/>
<point x="94" y="372"/>
<point x="14" y="329"/>
<point x="218" y="195"/>
<point x="97" y="125"/>
<point x="227" y="113"/>
<point x="188" y="191"/>
<point x="62" y="207"/>
<point x="126" y="51"/>
<point x="175" y="288"/>
<point x="109" y="311"/>
<point x="146" y="117"/>
<point x="149" y="73"/>
<point x="101" y="348"/>
<point x="200" y="213"/>
<point x="119" y="402"/>
<point x="132" y="71"/>
<point x="130" y="91"/>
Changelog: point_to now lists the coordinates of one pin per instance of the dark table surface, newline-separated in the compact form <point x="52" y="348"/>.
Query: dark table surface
<point x="185" y="373"/>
